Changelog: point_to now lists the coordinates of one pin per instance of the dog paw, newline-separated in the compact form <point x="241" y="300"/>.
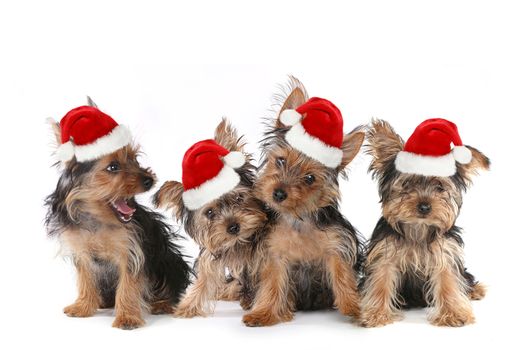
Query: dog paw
<point x="350" y="310"/>
<point x="80" y="309"/>
<point x="453" y="319"/>
<point x="161" y="308"/>
<point x="260" y="319"/>
<point x="188" y="312"/>
<point x="478" y="292"/>
<point x="377" y="319"/>
<point x="128" y="322"/>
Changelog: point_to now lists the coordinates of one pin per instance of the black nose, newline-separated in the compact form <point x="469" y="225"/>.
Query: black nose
<point x="233" y="229"/>
<point x="147" y="182"/>
<point x="279" y="195"/>
<point x="424" y="208"/>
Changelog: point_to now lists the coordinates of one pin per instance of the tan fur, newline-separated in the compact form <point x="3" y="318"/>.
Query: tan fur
<point x="344" y="282"/>
<point x="272" y="304"/>
<point x="383" y="144"/>
<point x="451" y="302"/>
<point x="390" y="258"/>
<point x="226" y="136"/>
<point x="295" y="237"/>
<point x="478" y="292"/>
<point x="88" y="300"/>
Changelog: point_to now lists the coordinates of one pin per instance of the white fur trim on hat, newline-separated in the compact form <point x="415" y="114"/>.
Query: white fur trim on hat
<point x="412" y="163"/>
<point x="119" y="137"/>
<point x="290" y="117"/>
<point x="298" y="138"/>
<point x="65" y="152"/>
<point x="462" y="154"/>
<point x="234" y="159"/>
<point x="212" y="189"/>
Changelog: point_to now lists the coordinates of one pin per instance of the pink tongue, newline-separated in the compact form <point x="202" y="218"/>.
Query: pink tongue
<point x="123" y="207"/>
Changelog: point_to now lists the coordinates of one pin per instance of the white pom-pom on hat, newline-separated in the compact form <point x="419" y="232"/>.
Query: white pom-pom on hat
<point x="290" y="117"/>
<point x="462" y="154"/>
<point x="234" y="159"/>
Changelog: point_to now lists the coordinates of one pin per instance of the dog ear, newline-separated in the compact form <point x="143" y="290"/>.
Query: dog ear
<point x="91" y="103"/>
<point x="479" y="162"/>
<point x="55" y="129"/>
<point x="383" y="144"/>
<point x="297" y="97"/>
<point x="352" y="143"/>
<point x="226" y="136"/>
<point x="169" y="196"/>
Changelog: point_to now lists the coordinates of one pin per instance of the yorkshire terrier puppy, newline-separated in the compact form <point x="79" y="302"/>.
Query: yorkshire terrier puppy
<point x="215" y="203"/>
<point x="310" y="256"/>
<point x="123" y="252"/>
<point x="415" y="255"/>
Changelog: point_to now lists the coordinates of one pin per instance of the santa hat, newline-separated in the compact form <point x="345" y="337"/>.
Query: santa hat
<point x="316" y="130"/>
<point x="208" y="173"/>
<point x="88" y="134"/>
<point x="428" y="151"/>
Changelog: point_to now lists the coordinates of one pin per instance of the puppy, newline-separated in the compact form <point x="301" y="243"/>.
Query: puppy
<point x="415" y="254"/>
<point x="123" y="252"/>
<point x="311" y="253"/>
<point x="215" y="203"/>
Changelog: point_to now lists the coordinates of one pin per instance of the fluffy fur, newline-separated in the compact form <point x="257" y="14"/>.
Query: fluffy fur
<point x="311" y="254"/>
<point x="124" y="253"/>
<point x="415" y="255"/>
<point x="228" y="231"/>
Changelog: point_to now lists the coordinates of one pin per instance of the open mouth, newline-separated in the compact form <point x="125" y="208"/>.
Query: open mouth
<point x="122" y="210"/>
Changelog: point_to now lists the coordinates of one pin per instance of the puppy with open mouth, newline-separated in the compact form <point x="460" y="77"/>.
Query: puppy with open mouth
<point x="123" y="252"/>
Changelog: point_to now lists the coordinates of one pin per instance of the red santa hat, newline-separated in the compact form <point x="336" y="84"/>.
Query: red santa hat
<point x="87" y="134"/>
<point x="428" y="151"/>
<point x="208" y="173"/>
<point x="316" y="130"/>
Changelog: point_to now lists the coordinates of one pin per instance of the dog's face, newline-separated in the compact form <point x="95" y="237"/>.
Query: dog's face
<point x="414" y="199"/>
<point x="105" y="188"/>
<point x="227" y="221"/>
<point x="291" y="182"/>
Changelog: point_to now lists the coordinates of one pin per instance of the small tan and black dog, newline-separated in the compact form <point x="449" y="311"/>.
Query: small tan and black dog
<point x="216" y="205"/>
<point x="311" y="253"/>
<point x="415" y="254"/>
<point x="123" y="252"/>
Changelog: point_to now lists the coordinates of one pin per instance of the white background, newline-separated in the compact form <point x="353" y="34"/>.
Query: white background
<point x="171" y="72"/>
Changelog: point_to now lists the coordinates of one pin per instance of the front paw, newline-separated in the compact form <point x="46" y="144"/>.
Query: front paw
<point x="451" y="318"/>
<point x="188" y="312"/>
<point x="128" y="322"/>
<point x="80" y="309"/>
<point x="263" y="319"/>
<point x="371" y="318"/>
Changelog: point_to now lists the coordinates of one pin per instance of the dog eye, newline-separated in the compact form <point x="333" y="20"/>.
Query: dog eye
<point x="113" y="167"/>
<point x="239" y="198"/>
<point x="210" y="214"/>
<point x="309" y="179"/>
<point x="440" y="189"/>
<point x="280" y="162"/>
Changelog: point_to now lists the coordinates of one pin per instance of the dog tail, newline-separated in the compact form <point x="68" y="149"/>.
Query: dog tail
<point x="165" y="263"/>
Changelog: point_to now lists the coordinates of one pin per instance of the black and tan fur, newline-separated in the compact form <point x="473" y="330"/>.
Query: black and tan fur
<point x="415" y="259"/>
<point x="228" y="231"/>
<point x="131" y="265"/>
<point x="311" y="254"/>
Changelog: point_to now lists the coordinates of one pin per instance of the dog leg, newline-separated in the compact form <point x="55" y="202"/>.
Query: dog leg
<point x="128" y="303"/>
<point x="451" y="302"/>
<point x="380" y="294"/>
<point x="344" y="285"/>
<point x="88" y="299"/>
<point x="272" y="304"/>
<point x="201" y="295"/>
